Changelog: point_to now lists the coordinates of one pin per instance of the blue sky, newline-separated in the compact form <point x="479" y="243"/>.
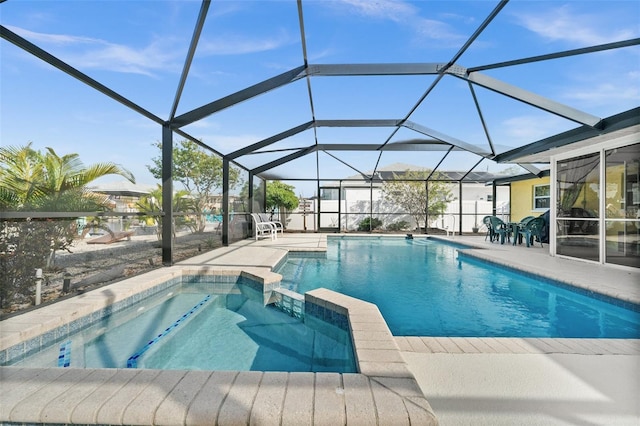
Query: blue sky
<point x="138" y="48"/>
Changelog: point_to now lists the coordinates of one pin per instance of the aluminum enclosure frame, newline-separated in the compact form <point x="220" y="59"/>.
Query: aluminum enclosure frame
<point x="427" y="139"/>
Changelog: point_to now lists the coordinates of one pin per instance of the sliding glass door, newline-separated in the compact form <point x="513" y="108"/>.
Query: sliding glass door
<point x="622" y="205"/>
<point x="598" y="206"/>
<point x="578" y="205"/>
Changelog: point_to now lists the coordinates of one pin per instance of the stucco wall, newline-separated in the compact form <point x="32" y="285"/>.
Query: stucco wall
<point x="522" y="197"/>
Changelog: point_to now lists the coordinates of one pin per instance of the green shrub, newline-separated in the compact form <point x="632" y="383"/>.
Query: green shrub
<point x="398" y="226"/>
<point x="369" y="224"/>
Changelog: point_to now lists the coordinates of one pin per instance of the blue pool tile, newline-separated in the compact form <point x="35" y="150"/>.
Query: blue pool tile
<point x="95" y="316"/>
<point x="311" y="309"/>
<point x="15" y="352"/>
<point x="106" y="311"/>
<point x="33" y="345"/>
<point x="77" y="324"/>
<point x="118" y="306"/>
<point x="48" y="338"/>
<point x="62" y="331"/>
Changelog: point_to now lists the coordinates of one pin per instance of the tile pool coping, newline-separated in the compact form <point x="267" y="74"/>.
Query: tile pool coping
<point x="383" y="392"/>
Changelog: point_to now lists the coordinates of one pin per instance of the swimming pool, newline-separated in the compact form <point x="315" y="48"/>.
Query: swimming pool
<point x="423" y="288"/>
<point x="190" y="327"/>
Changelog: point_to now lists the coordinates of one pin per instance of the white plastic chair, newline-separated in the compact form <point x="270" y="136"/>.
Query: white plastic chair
<point x="449" y="224"/>
<point x="264" y="217"/>
<point x="263" y="229"/>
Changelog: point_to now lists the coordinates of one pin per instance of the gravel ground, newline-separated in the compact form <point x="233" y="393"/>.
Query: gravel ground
<point x="90" y="266"/>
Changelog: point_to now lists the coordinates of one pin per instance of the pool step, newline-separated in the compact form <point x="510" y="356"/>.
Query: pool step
<point x="288" y="301"/>
<point x="418" y="241"/>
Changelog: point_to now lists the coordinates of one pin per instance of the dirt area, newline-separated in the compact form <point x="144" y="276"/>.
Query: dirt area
<point x="90" y="266"/>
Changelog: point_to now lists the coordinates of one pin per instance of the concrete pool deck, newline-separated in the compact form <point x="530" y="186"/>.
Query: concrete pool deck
<point x="504" y="381"/>
<point x="466" y="381"/>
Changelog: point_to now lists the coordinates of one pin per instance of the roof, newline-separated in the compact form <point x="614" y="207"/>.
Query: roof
<point x="506" y="180"/>
<point x="123" y="188"/>
<point x="399" y="169"/>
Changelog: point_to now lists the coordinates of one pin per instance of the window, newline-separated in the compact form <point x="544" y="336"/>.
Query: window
<point x="329" y="193"/>
<point x="541" y="197"/>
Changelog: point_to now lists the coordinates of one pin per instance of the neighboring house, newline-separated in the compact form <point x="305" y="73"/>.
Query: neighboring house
<point x="344" y="204"/>
<point x="123" y="197"/>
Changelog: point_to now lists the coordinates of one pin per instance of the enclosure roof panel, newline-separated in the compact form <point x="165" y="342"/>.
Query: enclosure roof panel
<point x="315" y="90"/>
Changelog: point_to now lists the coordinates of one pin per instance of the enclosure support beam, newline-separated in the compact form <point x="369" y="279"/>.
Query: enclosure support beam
<point x="167" y="195"/>
<point x="225" y="201"/>
<point x="34" y="50"/>
<point x="340" y="207"/>
<point x="317" y="206"/>
<point x="202" y="16"/>
<point x="426" y="216"/>
<point x="494" y="202"/>
<point x="240" y="96"/>
<point x="534" y="100"/>
<point x="271" y="140"/>
<point x="371" y="205"/>
<point x="460" y="216"/>
<point x="250" y="192"/>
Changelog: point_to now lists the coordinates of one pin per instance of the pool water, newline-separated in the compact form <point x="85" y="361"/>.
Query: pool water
<point x="188" y="328"/>
<point x="423" y="289"/>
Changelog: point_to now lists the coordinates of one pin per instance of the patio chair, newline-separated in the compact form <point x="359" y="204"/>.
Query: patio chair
<point x="524" y="220"/>
<point x="112" y="237"/>
<point x="264" y="217"/>
<point x="517" y="238"/>
<point x="532" y="231"/>
<point x="263" y="229"/>
<point x="499" y="229"/>
<point x="449" y="224"/>
<point x="487" y="223"/>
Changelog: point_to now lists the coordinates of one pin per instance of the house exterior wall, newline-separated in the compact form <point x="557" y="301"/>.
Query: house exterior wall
<point x="522" y="197"/>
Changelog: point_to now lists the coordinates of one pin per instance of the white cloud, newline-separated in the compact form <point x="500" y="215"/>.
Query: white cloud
<point x="406" y="15"/>
<point x="321" y="54"/>
<point x="436" y="30"/>
<point x="91" y="53"/>
<point x="383" y="9"/>
<point x="615" y="89"/>
<point x="605" y="94"/>
<point x="235" y="44"/>
<point x="564" y="24"/>
<point x="205" y="124"/>
<point x="526" y="129"/>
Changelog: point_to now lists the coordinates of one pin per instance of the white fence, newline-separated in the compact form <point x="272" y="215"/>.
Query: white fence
<point x="353" y="210"/>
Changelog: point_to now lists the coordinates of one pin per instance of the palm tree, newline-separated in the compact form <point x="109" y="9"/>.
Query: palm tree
<point x="151" y="204"/>
<point x="32" y="180"/>
<point x="18" y="174"/>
